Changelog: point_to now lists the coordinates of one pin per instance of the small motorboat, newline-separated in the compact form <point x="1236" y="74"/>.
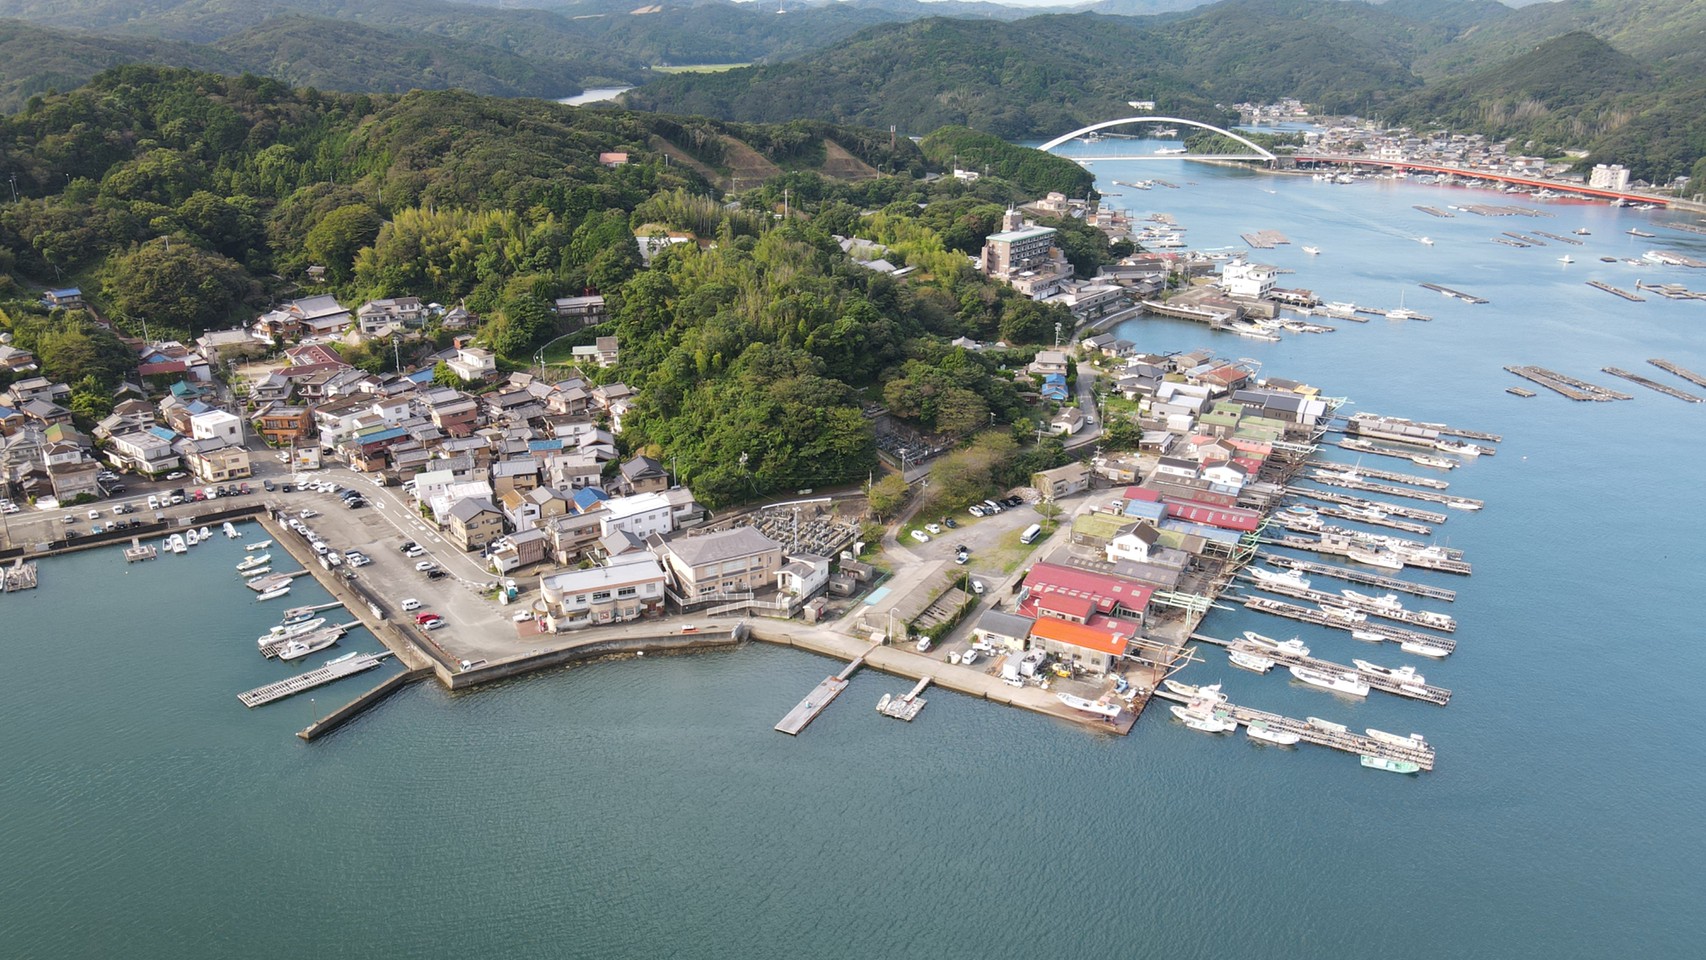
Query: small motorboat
<point x="1259" y="730"/>
<point x="883" y="704"/>
<point x="274" y="593"/>
<point x="192" y="537"/>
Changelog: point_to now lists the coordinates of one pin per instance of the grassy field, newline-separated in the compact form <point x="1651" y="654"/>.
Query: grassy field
<point x="700" y="68"/>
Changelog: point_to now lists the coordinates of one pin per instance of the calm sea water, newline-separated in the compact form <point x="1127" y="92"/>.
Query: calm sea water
<point x="646" y="808"/>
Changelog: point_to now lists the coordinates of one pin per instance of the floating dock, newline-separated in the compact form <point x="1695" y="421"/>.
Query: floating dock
<point x="1427" y="693"/>
<point x="1292" y="611"/>
<point x="821" y="696"/>
<point x="139" y="551"/>
<point x="1435" y="212"/>
<point x="1369" y="486"/>
<point x="273" y="649"/>
<point x="1396" y="477"/>
<point x="1682" y="372"/>
<point x="1671" y="291"/>
<point x="1568" y="386"/>
<point x="1653" y="385"/>
<point x="1439" y="428"/>
<point x="1319" y="545"/>
<point x="1520" y="392"/>
<point x="1350" y="575"/>
<point x="1407" y="526"/>
<point x="1415" y="618"/>
<point x="1337" y="739"/>
<point x="1265" y="239"/>
<point x="1459" y="294"/>
<point x="1396" y="509"/>
<point x="19" y="576"/>
<point x="907" y="706"/>
<point x="1572" y="241"/>
<point x="314" y="678"/>
<point x="1525" y="238"/>
<point x="1608" y="288"/>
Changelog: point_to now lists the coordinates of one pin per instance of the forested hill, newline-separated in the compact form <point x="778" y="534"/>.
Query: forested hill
<point x="193" y="201"/>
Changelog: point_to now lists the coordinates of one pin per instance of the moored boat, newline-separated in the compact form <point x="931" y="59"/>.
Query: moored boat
<point x="250" y="563"/>
<point x="1342" y="614"/>
<point x="1389" y="603"/>
<point x="285" y="632"/>
<point x="1346" y="683"/>
<point x="1414" y="741"/>
<point x="1259" y="730"/>
<point x="1374" y="556"/>
<point x="312" y="643"/>
<point x="1289" y="578"/>
<point x="883" y="704"/>
<point x="1206" y="722"/>
<point x="1328" y="725"/>
<point x="296" y="615"/>
<point x="273" y="594"/>
<point x="205" y="533"/>
<point x="1424" y="649"/>
<point x="1404" y="674"/>
<point x="1208" y="691"/>
<point x="252" y="547"/>
<point x="191" y="537"/>
<point x="1390" y="765"/>
<point x="175" y="543"/>
<point x="1458" y="504"/>
<point x="1250" y="661"/>
<point x="1428" y="460"/>
<point x="230" y="531"/>
<point x="1461" y="449"/>
<point x="1367" y="636"/>
<point x="1292" y="646"/>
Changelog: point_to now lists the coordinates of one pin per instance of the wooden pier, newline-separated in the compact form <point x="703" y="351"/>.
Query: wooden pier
<point x="19" y="576"/>
<point x="1320" y="736"/>
<point x="1407" y="526"/>
<point x="1520" y="392"/>
<point x="1370" y="487"/>
<point x="1653" y="385"/>
<point x="821" y="696"/>
<point x="1572" y="241"/>
<point x="1458" y="294"/>
<point x="1396" y="509"/>
<point x="1396" y="477"/>
<point x="1434" y="212"/>
<point x="1568" y="386"/>
<point x="274" y="648"/>
<point x="1525" y="239"/>
<point x="1415" y="618"/>
<point x="1439" y="428"/>
<point x="1682" y="372"/>
<point x="907" y="706"/>
<point x="1358" y="576"/>
<point x="313" y="678"/>
<point x="1608" y="288"/>
<point x="1427" y="693"/>
<point x="1292" y="611"/>
<point x="1338" y="549"/>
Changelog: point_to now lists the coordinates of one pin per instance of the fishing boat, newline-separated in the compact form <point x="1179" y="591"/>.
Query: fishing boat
<point x="1374" y="556"/>
<point x="1100" y="709"/>
<point x="1206" y="722"/>
<point x="1404" y="674"/>
<point x="1566" y="258"/>
<point x="1414" y="741"/>
<point x="1312" y="251"/>
<point x="348" y="656"/>
<point x="1424" y="649"/>
<point x="1582" y="232"/>
<point x="1259" y="730"/>
<point x="191" y="537"/>
<point x="1300" y="510"/>
<point x="1367" y="636"/>
<point x="252" y="547"/>
<point x="1637" y="232"/>
<point x="1344" y="614"/>
<point x="1426" y="460"/>
<point x="1346" y="683"/>
<point x="205" y="533"/>
<point x="285" y="632"/>
<point x="297" y="649"/>
<point x="175" y="543"/>
<point x="250" y="563"/>
<point x="1289" y="578"/>
<point x="1424" y="241"/>
<point x="1459" y="504"/>
<point x="1249" y="661"/>
<point x="1293" y="646"/>
<point x="296" y="615"/>
<point x="274" y="593"/>
<point x="1461" y="449"/>
<point x="1389" y="603"/>
<point x="230" y="531"/>
<point x="1390" y="765"/>
<point x="1328" y="725"/>
<point x="883" y="704"/>
<point x="1208" y="692"/>
<point x="256" y="573"/>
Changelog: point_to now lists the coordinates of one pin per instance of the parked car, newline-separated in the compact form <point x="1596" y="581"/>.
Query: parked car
<point x="176" y="475"/>
<point x="975" y="510"/>
<point x="243" y="488"/>
<point x="435" y="574"/>
<point x="977" y="587"/>
<point x="411" y="603"/>
<point x="523" y="616"/>
<point x="94" y="514"/>
<point x="933" y="527"/>
<point x="920" y="536"/>
<point x="950" y="523"/>
<point x="425" y="565"/>
<point x="414" y="552"/>
<point x="268" y="486"/>
<point x="433" y="624"/>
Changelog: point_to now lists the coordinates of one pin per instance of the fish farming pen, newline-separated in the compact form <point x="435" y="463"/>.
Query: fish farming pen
<point x="1567" y="385"/>
<point x="1682" y="372"/>
<point x="1365" y="578"/>
<point x="1336" y="736"/>
<point x="1618" y="291"/>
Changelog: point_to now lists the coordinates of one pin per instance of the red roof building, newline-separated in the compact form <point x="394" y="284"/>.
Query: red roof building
<point x="1111" y="595"/>
<point x="1224" y="518"/>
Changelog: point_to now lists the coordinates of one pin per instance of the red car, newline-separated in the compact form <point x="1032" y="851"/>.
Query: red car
<point x="422" y="618"/>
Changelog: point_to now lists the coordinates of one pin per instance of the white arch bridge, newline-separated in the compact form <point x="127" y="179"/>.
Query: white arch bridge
<point x="1261" y="152"/>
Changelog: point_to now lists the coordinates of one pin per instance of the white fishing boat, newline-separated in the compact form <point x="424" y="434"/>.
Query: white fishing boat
<point x="1100" y="709"/>
<point x="1458" y="504"/>
<point x="297" y="649"/>
<point x="175" y="543"/>
<point x="205" y="533"/>
<point x="250" y="563"/>
<point x="1442" y="463"/>
<point x="1424" y="241"/>
<point x="1293" y="646"/>
<point x="1289" y="578"/>
<point x="1582" y="232"/>
<point x="1346" y="683"/>
<point x="230" y="531"/>
<point x="1424" y="649"/>
<point x="252" y="547"/>
<point x="1461" y="449"/>
<point x="1312" y="251"/>
<point x="287" y="631"/>
<point x="1259" y="730"/>
<point x="1367" y="636"/>
<point x="1207" y="692"/>
<point x="1566" y="258"/>
<point x="1206" y="722"/>
<point x="1342" y="614"/>
<point x="1390" y="765"/>
<point x="1404" y="674"/>
<point x="883" y="704"/>
<point x="1328" y="725"/>
<point x="1374" y="556"/>
<point x="1249" y="661"/>
<point x="191" y="537"/>
<point x="274" y="593"/>
<point x="1414" y="741"/>
<point x="1356" y="512"/>
<point x="296" y="615"/>
<point x="1387" y="604"/>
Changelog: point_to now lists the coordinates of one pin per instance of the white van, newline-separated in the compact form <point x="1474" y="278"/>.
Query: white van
<point x="153" y="502"/>
<point x="1031" y="533"/>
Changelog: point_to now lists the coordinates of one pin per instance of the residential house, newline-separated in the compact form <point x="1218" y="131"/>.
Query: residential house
<point x="582" y="311"/>
<point x="625" y="590"/>
<point x="572" y="471"/>
<point x="46" y="413"/>
<point x="473" y="364"/>
<point x="70" y="471"/>
<point x="712" y="565"/>
<point x="643" y="515"/>
<point x="217" y="425"/>
<point x="11" y="420"/>
<point x="602" y="351"/>
<point x="1062" y="481"/>
<point x="220" y="347"/>
<point x="1067" y="422"/>
<point x="641" y="475"/>
<point x="37" y="388"/>
<point x="1134" y="545"/>
<point x="68" y="298"/>
<point x="803" y="576"/>
<point x="1049" y="361"/>
<point x="216" y="460"/>
<point x="518" y="550"/>
<point x="474" y="523"/>
<point x="380" y="317"/>
<point x="280" y="425"/>
<point x="521" y="475"/>
<point x="16" y="360"/>
<point x="146" y="451"/>
<point x="320" y="316"/>
<point x="1004" y="631"/>
<point x="573" y="535"/>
